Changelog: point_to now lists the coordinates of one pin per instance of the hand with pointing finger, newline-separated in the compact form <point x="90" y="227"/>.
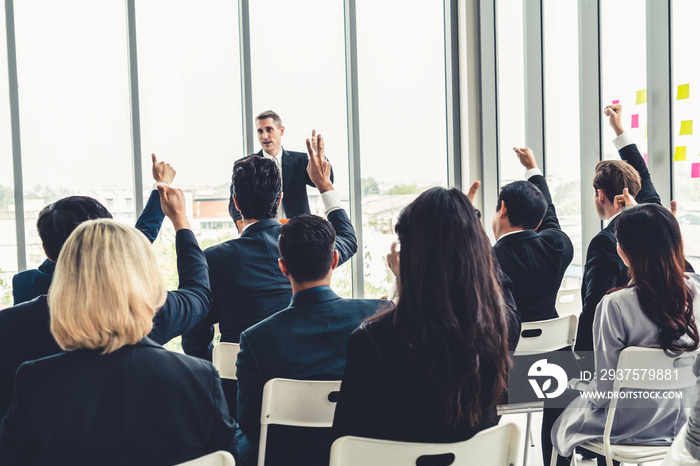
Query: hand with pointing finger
<point x="624" y="200"/>
<point x="162" y="172"/>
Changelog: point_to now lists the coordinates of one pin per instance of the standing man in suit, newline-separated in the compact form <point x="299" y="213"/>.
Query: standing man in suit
<point x="604" y="269"/>
<point x="531" y="247"/>
<point x="292" y="166"/>
<point x="307" y="340"/>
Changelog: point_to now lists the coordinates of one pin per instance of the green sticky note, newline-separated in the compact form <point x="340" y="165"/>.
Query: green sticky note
<point x="680" y="154"/>
<point x="683" y="91"/>
<point x="686" y="127"/>
<point x="642" y="96"/>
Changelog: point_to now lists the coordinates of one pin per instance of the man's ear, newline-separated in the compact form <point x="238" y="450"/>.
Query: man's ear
<point x="283" y="267"/>
<point x="281" y="130"/>
<point x="235" y="202"/>
<point x="336" y="258"/>
<point x="504" y="210"/>
<point x="601" y="196"/>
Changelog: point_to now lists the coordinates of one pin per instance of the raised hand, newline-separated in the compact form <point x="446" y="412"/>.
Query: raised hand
<point x="392" y="259"/>
<point x="172" y="201"/>
<point x="319" y="169"/>
<point x="614" y="114"/>
<point x="471" y="194"/>
<point x="526" y="157"/>
<point x="674" y="208"/>
<point x="162" y="172"/>
<point x="624" y="200"/>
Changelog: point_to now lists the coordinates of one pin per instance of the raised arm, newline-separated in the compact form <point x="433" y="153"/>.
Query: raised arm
<point x="151" y="219"/>
<point x="534" y="175"/>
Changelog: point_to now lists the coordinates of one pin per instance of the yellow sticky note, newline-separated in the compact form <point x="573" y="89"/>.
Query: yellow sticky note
<point x="680" y="154"/>
<point x="686" y="127"/>
<point x="642" y="96"/>
<point x="645" y="132"/>
<point x="683" y="91"/>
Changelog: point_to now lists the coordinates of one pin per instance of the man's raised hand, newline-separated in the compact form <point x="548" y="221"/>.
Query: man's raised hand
<point x="526" y="157"/>
<point x="172" y="201"/>
<point x="162" y="172"/>
<point x="319" y="169"/>
<point x="624" y="200"/>
<point x="614" y="114"/>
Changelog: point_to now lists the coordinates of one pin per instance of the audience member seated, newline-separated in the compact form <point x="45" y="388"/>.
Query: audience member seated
<point x="24" y="329"/>
<point x="659" y="308"/>
<point x="531" y="247"/>
<point x="604" y="270"/>
<point x="56" y="222"/>
<point x="246" y="281"/>
<point x="306" y="341"/>
<point x="114" y="396"/>
<point x="434" y="368"/>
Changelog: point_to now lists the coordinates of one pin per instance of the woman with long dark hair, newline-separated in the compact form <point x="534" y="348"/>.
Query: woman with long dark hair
<point x="658" y="309"/>
<point x="433" y="368"/>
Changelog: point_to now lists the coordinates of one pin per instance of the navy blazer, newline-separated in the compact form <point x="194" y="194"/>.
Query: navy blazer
<point x="29" y="284"/>
<point x="140" y="405"/>
<point x="536" y="261"/>
<point x="25" y="334"/>
<point x="604" y="269"/>
<point x="247" y="283"/>
<point x="295" y="178"/>
<point x="306" y="341"/>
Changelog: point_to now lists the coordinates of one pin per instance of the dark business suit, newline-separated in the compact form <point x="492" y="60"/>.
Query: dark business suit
<point x="294" y="181"/>
<point x="31" y="283"/>
<point x="306" y="341"/>
<point x="604" y="269"/>
<point x="140" y="405"/>
<point x="536" y="261"/>
<point x="24" y="329"/>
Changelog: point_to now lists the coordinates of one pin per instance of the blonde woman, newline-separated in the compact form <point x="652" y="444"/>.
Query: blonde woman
<point x="114" y="396"/>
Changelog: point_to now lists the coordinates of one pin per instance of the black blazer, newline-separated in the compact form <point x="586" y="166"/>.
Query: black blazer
<point x="25" y="334"/>
<point x="247" y="283"/>
<point x="306" y="341"/>
<point x="29" y="284"/>
<point x="294" y="181"/>
<point x="604" y="269"/>
<point x="141" y="405"/>
<point x="536" y="261"/>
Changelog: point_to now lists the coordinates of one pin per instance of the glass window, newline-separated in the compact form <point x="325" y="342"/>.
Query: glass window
<point x="624" y="64"/>
<point x="298" y="70"/>
<point x="74" y="101"/>
<point x="685" y="94"/>
<point x="401" y="72"/>
<point x="563" y="157"/>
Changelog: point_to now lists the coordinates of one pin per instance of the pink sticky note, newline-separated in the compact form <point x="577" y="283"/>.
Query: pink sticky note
<point x="635" y="121"/>
<point x="615" y="102"/>
<point x="695" y="170"/>
<point x="646" y="160"/>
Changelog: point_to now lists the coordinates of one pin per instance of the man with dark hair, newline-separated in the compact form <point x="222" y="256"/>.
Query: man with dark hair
<point x="604" y="269"/>
<point x="24" y="329"/>
<point x="307" y="341"/>
<point x="246" y="280"/>
<point x="58" y="220"/>
<point x="292" y="167"/>
<point x="531" y="247"/>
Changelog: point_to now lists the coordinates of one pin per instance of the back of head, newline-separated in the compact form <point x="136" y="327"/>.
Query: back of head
<point x="450" y="316"/>
<point x="257" y="186"/>
<point x="525" y="203"/>
<point x="270" y="114"/>
<point x="613" y="176"/>
<point x="58" y="220"/>
<point x="106" y="288"/>
<point x="306" y="245"/>
<point x="650" y="237"/>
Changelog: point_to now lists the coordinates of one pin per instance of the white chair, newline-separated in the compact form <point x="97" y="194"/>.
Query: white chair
<point x="302" y="403"/>
<point x="497" y="446"/>
<point x="224" y="359"/>
<point x="640" y="358"/>
<point x="678" y="454"/>
<point x="539" y="337"/>
<point x="218" y="458"/>
<point x="569" y="301"/>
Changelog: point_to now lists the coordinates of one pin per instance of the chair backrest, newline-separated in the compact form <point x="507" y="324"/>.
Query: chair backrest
<point x="218" y="458"/>
<point x="224" y="358"/>
<point x="569" y="301"/>
<point x="302" y="403"/>
<point x="497" y="446"/>
<point x="544" y="336"/>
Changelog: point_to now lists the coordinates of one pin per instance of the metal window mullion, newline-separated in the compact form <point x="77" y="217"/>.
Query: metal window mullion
<point x="590" y="113"/>
<point x="246" y="79"/>
<point x="16" y="141"/>
<point x="452" y="94"/>
<point x="660" y="97"/>
<point x="135" y="108"/>
<point x="534" y="80"/>
<point x="355" y="172"/>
